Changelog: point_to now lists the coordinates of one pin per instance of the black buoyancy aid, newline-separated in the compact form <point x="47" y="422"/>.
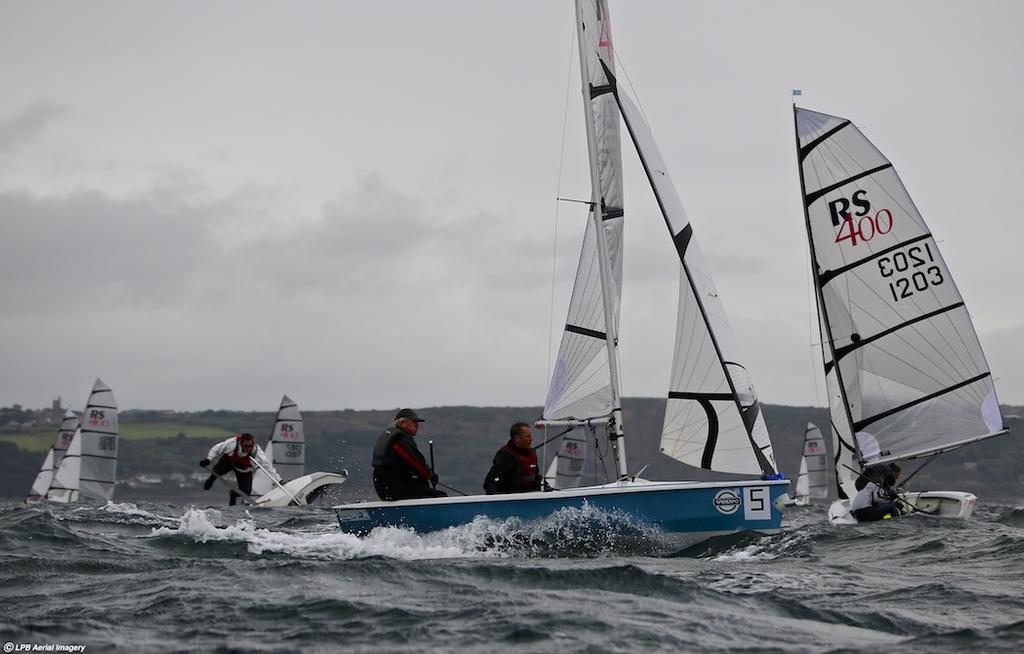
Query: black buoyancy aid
<point x="527" y="462"/>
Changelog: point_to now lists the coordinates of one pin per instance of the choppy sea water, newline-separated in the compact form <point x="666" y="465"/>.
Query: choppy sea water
<point x="164" y="578"/>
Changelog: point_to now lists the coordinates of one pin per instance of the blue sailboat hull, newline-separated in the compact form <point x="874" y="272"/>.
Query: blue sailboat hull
<point x="693" y="508"/>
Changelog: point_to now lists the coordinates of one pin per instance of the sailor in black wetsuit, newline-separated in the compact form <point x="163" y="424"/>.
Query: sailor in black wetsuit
<point x="515" y="464"/>
<point x="399" y="470"/>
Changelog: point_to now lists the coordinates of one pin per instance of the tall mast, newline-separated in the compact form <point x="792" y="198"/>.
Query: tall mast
<point x="615" y="432"/>
<point x="823" y="315"/>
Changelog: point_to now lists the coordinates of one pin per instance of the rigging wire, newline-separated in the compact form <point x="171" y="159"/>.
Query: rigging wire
<point x="554" y="238"/>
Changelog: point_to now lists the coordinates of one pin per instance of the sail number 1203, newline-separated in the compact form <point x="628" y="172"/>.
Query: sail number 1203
<point x="911" y="271"/>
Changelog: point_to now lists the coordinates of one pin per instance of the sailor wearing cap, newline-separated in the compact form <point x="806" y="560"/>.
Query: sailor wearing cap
<point x="399" y="470"/>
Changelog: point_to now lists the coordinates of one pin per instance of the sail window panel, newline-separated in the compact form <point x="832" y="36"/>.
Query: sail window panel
<point x="947" y="419"/>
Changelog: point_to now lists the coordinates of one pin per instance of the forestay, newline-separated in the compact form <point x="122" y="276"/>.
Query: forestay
<point x="911" y="379"/>
<point x="286" y="449"/>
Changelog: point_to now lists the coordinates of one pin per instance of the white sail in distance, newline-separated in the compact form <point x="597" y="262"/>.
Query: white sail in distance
<point x="566" y="469"/>
<point x="812" y="483"/>
<point x="906" y="373"/>
<point x="286" y="448"/>
<point x="89" y="467"/>
<point x="712" y="419"/>
<point x="581" y="382"/>
<point x="65" y="432"/>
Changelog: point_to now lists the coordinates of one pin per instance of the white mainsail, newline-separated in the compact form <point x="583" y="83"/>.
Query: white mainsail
<point x="65" y="432"/>
<point x="89" y="467"/>
<point x="286" y="448"/>
<point x="581" y="383"/>
<point x="911" y="378"/>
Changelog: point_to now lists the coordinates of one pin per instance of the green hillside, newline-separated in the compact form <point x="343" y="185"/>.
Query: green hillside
<point x="465" y="439"/>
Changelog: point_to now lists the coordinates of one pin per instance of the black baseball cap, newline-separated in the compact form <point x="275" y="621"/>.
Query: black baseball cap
<point x="410" y="414"/>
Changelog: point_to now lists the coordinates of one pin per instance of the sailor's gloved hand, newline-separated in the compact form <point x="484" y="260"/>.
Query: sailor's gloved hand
<point x="204" y="463"/>
<point x="433" y="478"/>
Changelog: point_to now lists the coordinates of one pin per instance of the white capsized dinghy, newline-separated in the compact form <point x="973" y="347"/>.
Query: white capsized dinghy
<point x="287" y="452"/>
<point x="905" y="372"/>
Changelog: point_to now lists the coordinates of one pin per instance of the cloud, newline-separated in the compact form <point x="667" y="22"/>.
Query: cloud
<point x="23" y="126"/>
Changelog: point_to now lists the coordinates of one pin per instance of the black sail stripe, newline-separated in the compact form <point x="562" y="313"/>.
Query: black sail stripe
<point x="846" y="349"/>
<point x="810" y="199"/>
<point x="98" y="456"/>
<point x="93" y="481"/>
<point x="611" y="213"/>
<point x="597" y="91"/>
<point x="806" y="150"/>
<point x="687" y="395"/>
<point x="586" y="332"/>
<point x="682" y="240"/>
<point x="829" y="275"/>
<point x="709" y="446"/>
<point x="861" y="424"/>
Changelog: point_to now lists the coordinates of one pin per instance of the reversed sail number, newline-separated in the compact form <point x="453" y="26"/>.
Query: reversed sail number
<point x="920" y="261"/>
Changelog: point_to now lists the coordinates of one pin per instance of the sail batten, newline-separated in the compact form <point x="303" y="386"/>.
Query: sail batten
<point x="904" y="367"/>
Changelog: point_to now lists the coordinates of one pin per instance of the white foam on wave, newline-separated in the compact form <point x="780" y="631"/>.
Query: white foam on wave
<point x="125" y="509"/>
<point x="571" y="531"/>
<point x="201" y="526"/>
<point x="767" y="549"/>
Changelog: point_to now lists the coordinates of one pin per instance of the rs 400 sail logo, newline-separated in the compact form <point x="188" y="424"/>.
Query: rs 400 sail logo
<point x="861" y="223"/>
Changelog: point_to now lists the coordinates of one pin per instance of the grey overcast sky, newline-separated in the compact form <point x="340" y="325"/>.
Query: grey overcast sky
<point x="211" y="204"/>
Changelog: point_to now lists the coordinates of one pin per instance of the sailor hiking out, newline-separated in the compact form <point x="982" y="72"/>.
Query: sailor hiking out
<point x="877" y="497"/>
<point x="240" y="454"/>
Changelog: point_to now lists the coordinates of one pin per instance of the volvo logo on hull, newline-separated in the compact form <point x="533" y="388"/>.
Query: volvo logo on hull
<point x="727" y="501"/>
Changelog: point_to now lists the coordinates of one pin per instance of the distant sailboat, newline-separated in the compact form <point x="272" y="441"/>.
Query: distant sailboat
<point x="89" y="467"/>
<point x="65" y="433"/>
<point x="812" y="482"/>
<point x="287" y="451"/>
<point x="566" y="469"/>
<point x="904" y="370"/>
<point x="712" y="419"/>
<point x="286" y="448"/>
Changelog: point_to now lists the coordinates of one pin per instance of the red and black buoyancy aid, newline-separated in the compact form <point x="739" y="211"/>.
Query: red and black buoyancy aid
<point x="527" y="463"/>
<point x="240" y="460"/>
